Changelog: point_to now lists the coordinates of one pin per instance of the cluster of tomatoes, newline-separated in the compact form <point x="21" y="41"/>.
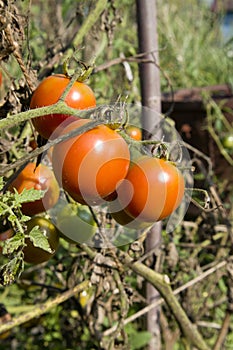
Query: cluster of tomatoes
<point x="95" y="167"/>
<point x="40" y="178"/>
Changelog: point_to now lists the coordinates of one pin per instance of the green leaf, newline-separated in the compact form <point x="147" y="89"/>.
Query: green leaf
<point x="1" y="183"/>
<point x="39" y="239"/>
<point x="222" y="286"/>
<point x="25" y="218"/>
<point x="10" y="271"/>
<point x="29" y="195"/>
<point x="139" y="340"/>
<point x="12" y="244"/>
<point x="3" y="210"/>
<point x="12" y="218"/>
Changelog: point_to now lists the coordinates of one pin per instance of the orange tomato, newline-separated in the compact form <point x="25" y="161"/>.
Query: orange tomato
<point x="49" y="91"/>
<point x="89" y="166"/>
<point x="40" y="178"/>
<point x="153" y="189"/>
<point x="134" y="132"/>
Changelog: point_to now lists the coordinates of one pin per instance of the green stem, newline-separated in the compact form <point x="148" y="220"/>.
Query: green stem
<point x="136" y="143"/>
<point x="74" y="78"/>
<point x="8" y="167"/>
<point x="62" y="108"/>
<point x="214" y="112"/>
<point x="160" y="282"/>
<point x="220" y="146"/>
<point x="162" y="285"/>
<point x="10" y="211"/>
<point x="91" y="19"/>
<point x="43" y="308"/>
<point x="59" y="107"/>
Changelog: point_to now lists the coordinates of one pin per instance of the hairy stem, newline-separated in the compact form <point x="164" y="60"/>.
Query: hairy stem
<point x="160" y="282"/>
<point x="162" y="285"/>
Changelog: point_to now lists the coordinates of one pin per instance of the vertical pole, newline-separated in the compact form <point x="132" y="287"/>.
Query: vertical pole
<point x="148" y="42"/>
<point x="151" y="98"/>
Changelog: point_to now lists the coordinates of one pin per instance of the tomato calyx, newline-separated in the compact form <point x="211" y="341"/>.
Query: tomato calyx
<point x="154" y="148"/>
<point x="83" y="73"/>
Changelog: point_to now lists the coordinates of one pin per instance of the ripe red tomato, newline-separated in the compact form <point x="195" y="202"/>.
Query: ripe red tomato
<point x="125" y="219"/>
<point x="49" y="91"/>
<point x="40" y="178"/>
<point x="35" y="255"/>
<point x="90" y="165"/>
<point x="134" y="132"/>
<point x="152" y="190"/>
<point x="6" y="234"/>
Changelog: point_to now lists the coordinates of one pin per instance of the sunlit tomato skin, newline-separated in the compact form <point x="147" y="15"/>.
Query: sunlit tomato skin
<point x="40" y="178"/>
<point x="35" y="255"/>
<point x="134" y="132"/>
<point x="85" y="297"/>
<point x="49" y="91"/>
<point x="89" y="166"/>
<point x="152" y="190"/>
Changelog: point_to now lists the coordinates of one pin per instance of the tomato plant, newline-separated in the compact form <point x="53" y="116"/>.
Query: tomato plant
<point x="49" y="91"/>
<point x="40" y="178"/>
<point x="152" y="190"/>
<point x="90" y="165"/>
<point x="5" y="235"/>
<point x="134" y="132"/>
<point x="36" y="255"/>
<point x="227" y="142"/>
<point x="75" y="223"/>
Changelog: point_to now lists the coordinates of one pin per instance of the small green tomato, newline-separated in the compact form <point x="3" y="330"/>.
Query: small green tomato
<point x="75" y="223"/>
<point x="227" y="142"/>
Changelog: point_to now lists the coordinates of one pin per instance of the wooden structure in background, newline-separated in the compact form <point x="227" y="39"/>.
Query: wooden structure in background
<point x="222" y="5"/>
<point x="189" y="114"/>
